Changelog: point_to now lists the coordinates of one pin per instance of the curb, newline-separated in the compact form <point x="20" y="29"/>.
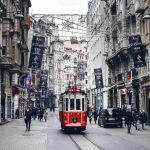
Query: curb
<point x="4" y="122"/>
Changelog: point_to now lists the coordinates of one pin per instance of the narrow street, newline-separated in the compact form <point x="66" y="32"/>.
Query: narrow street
<point x="47" y="136"/>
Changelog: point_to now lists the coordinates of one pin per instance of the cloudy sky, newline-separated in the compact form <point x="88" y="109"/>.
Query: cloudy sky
<point x="59" y="6"/>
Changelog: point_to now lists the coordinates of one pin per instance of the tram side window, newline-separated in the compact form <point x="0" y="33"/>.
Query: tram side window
<point x="66" y="104"/>
<point x="71" y="104"/>
<point x="77" y="104"/>
<point x="82" y="104"/>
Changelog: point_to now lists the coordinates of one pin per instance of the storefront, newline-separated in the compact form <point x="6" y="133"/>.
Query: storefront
<point x="145" y="95"/>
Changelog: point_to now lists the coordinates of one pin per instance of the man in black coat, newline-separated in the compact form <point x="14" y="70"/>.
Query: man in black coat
<point x="129" y="119"/>
<point x="28" y="115"/>
<point x="143" y="118"/>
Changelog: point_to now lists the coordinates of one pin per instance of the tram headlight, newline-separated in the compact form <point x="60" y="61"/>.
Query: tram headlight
<point x="74" y="120"/>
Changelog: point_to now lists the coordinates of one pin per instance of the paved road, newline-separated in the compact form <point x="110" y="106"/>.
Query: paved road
<point x="48" y="136"/>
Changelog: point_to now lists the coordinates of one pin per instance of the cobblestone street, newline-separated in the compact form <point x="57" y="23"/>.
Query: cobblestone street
<point x="14" y="137"/>
<point x="47" y="136"/>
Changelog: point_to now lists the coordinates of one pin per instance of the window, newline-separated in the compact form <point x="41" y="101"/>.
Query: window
<point x="82" y="104"/>
<point x="77" y="104"/>
<point x="71" y="104"/>
<point x="66" y="104"/>
<point x="86" y="81"/>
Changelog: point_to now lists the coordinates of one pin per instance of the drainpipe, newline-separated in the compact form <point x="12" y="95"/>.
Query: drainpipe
<point x="0" y="96"/>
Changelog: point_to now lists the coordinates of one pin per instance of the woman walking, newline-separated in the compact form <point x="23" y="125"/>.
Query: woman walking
<point x="129" y="120"/>
<point x="45" y="115"/>
<point x="27" y="119"/>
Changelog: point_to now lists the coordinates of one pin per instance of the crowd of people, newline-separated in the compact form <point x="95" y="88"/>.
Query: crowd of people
<point x="131" y="118"/>
<point x="135" y="118"/>
<point x="40" y="113"/>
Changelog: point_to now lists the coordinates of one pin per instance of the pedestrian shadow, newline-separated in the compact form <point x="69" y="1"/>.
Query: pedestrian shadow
<point x="27" y="134"/>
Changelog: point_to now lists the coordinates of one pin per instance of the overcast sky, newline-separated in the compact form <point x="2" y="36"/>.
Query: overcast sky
<point x="59" y="6"/>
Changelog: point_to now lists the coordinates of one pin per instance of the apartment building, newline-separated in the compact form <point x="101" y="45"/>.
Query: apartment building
<point x="13" y="56"/>
<point x="125" y="34"/>
<point x="43" y="78"/>
<point x="97" y="52"/>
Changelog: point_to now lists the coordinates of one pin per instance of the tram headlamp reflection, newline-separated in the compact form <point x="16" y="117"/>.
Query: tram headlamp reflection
<point x="74" y="120"/>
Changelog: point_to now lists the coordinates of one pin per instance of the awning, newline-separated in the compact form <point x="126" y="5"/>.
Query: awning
<point x="145" y="84"/>
<point x="106" y="89"/>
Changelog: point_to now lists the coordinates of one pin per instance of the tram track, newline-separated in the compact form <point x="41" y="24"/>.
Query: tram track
<point x="81" y="141"/>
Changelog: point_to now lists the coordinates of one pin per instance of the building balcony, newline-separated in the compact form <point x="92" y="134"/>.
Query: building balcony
<point x="6" y="61"/>
<point x="139" y="6"/>
<point x="111" y="59"/>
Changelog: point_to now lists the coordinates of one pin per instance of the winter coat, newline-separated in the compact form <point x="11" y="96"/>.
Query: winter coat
<point x="143" y="117"/>
<point x="95" y="115"/>
<point x="128" y="117"/>
<point x="28" y="115"/>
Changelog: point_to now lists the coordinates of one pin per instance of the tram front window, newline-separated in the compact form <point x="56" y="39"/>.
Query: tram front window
<point x="66" y="104"/>
<point x="82" y="104"/>
<point x="71" y="104"/>
<point x="77" y="104"/>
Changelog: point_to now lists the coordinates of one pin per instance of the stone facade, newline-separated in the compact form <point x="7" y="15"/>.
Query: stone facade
<point x="14" y="54"/>
<point x="127" y="45"/>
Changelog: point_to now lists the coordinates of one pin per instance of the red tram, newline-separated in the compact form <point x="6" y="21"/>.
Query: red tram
<point x="73" y="110"/>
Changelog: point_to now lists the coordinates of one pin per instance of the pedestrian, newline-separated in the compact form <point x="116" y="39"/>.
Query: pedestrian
<point x="90" y="114"/>
<point x="45" y="115"/>
<point x="143" y="118"/>
<point x="128" y="119"/>
<point x="136" y="119"/>
<point x="53" y="107"/>
<point x="28" y="115"/>
<point x="95" y="115"/>
<point x="41" y="114"/>
<point x="50" y="108"/>
<point x="38" y="113"/>
<point x="17" y="113"/>
<point x="34" y="113"/>
<point x="123" y="116"/>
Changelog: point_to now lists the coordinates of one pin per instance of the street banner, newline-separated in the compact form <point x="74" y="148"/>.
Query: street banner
<point x="36" y="55"/>
<point x="137" y="50"/>
<point x="98" y="78"/>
